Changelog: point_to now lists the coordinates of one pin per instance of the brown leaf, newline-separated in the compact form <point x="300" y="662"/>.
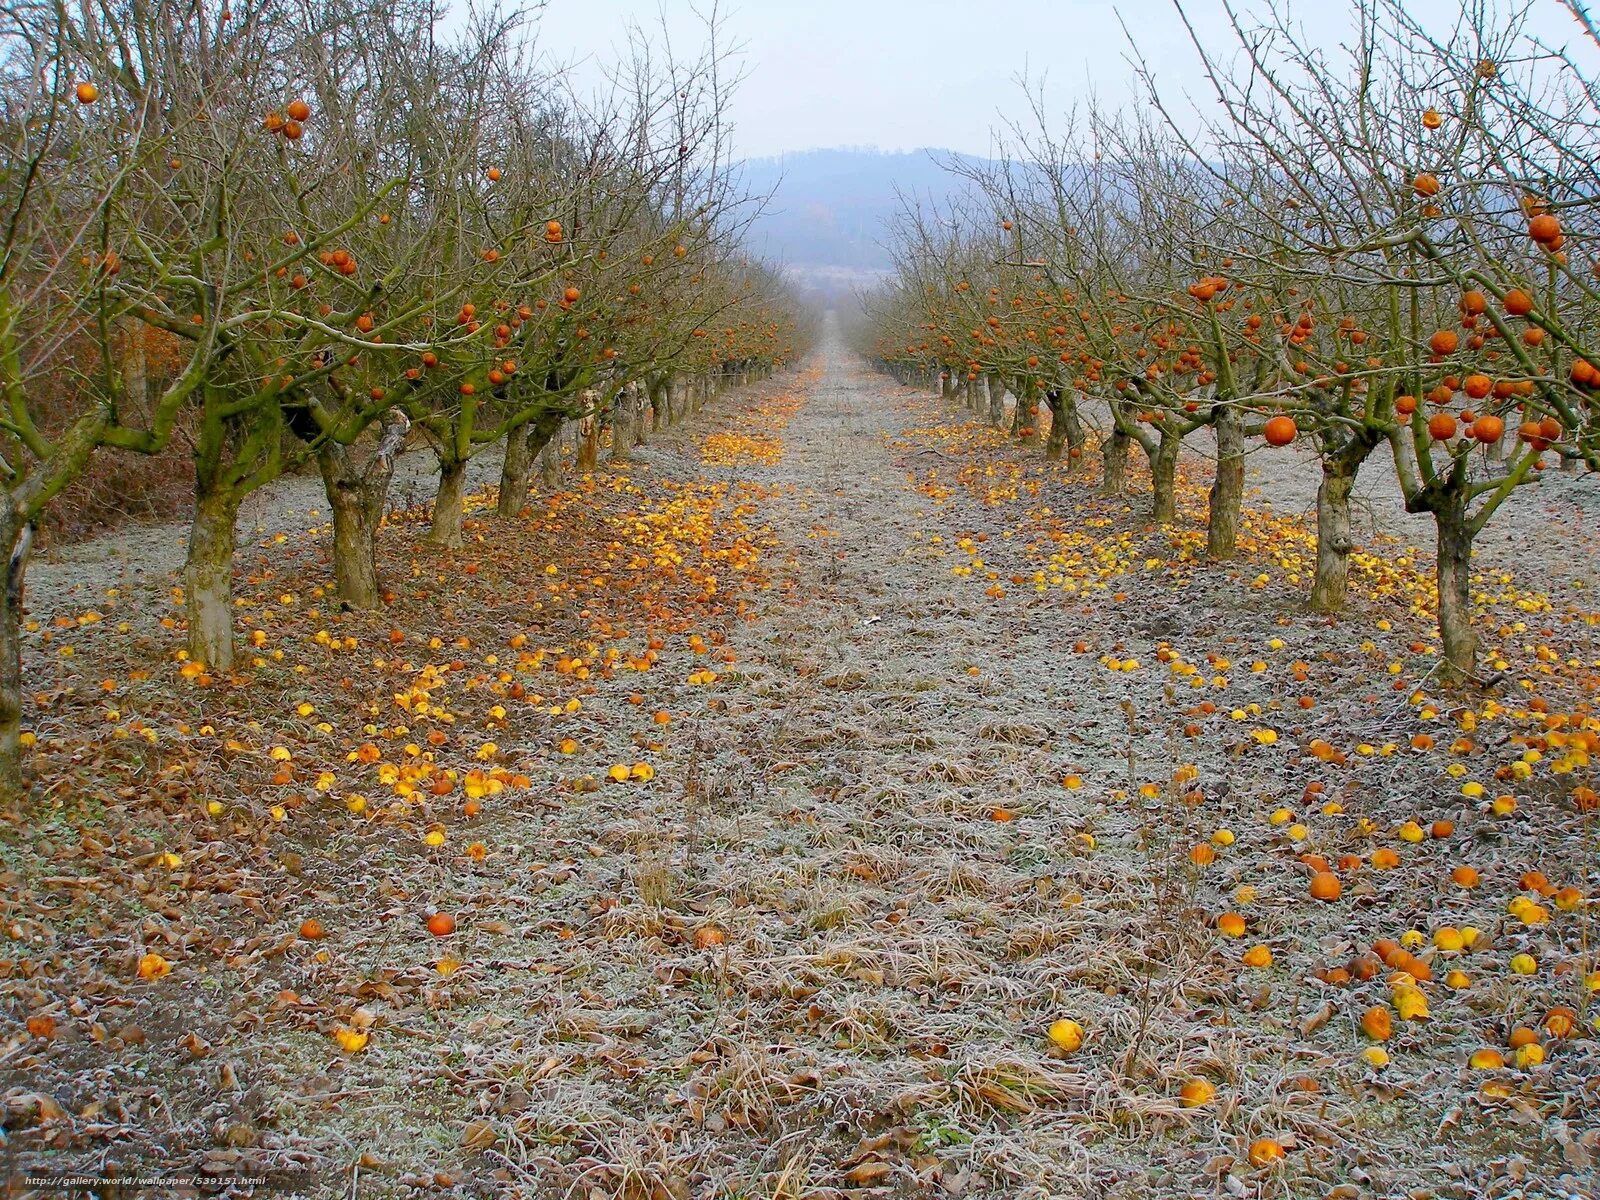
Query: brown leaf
<point x="1316" y="1020"/>
<point x="868" y="1174"/>
<point x="479" y="1135"/>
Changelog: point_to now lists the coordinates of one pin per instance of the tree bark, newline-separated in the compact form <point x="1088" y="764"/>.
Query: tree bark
<point x="1114" y="463"/>
<point x="1227" y="488"/>
<point x="516" y="473"/>
<point x="16" y="539"/>
<point x="641" y="401"/>
<point x="1455" y="593"/>
<point x="1330" y="585"/>
<point x="1164" y="479"/>
<point x="208" y="574"/>
<point x="588" y="443"/>
<point x="448" y="504"/>
<point x="997" y="401"/>
<point x="550" y="459"/>
<point x="357" y="495"/>
<point x="622" y="423"/>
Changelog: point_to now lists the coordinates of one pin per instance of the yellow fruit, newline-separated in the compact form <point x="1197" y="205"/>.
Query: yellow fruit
<point x="1524" y="964"/>
<point x="350" y="1040"/>
<point x="1487" y="1059"/>
<point x="1457" y="980"/>
<point x="1231" y="925"/>
<point x="1530" y="1055"/>
<point x="1257" y="956"/>
<point x="1376" y="1056"/>
<point x="1410" y="832"/>
<point x="1066" y="1035"/>
<point x="1410" y="1003"/>
<point x="1197" y="1093"/>
<point x="152" y="966"/>
<point x="1448" y="938"/>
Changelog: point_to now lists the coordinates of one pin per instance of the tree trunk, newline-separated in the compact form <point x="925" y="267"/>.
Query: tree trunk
<point x="660" y="403"/>
<point x="588" y="443"/>
<point x="622" y="423"/>
<point x="448" y="504"/>
<point x="516" y="473"/>
<point x="16" y="539"/>
<point x="997" y="401"/>
<point x="1455" y="593"/>
<point x="1056" y="442"/>
<point x="1227" y="489"/>
<point x="1114" y="463"/>
<point x="641" y="401"/>
<point x="208" y="575"/>
<point x="1330" y="586"/>
<point x="357" y="495"/>
<point x="550" y="459"/>
<point x="1164" y="479"/>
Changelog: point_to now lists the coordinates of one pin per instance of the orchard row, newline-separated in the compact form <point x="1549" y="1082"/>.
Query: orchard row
<point x="1392" y="254"/>
<point x="295" y="236"/>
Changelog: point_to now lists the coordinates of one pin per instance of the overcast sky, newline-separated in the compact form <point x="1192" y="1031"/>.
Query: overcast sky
<point x="903" y="74"/>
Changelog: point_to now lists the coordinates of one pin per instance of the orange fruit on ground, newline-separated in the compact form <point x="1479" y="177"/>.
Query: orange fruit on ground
<point x="311" y="929"/>
<point x="1325" y="886"/>
<point x="441" y="924"/>
<point x="1376" y="1024"/>
<point x="1265" y="1151"/>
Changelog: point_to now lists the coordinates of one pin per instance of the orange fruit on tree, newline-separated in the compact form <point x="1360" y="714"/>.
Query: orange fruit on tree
<point x="86" y="93"/>
<point x="298" y="110"/>
<point x="1441" y="427"/>
<point x="1280" y="431"/>
<point x="1544" y="228"/>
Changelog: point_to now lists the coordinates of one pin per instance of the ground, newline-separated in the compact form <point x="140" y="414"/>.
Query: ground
<point x="785" y="786"/>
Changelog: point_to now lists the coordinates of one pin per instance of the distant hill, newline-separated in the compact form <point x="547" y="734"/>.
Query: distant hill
<point x="830" y="209"/>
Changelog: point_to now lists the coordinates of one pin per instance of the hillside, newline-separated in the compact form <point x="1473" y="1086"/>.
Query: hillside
<point x="829" y="209"/>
